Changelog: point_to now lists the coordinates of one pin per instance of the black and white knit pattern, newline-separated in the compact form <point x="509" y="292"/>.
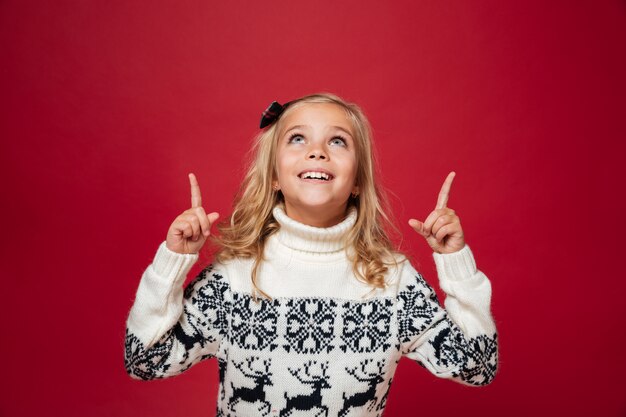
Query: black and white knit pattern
<point x="290" y="355"/>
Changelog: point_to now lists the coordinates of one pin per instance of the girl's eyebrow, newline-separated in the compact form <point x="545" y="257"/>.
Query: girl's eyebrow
<point x="343" y="130"/>
<point x="293" y="128"/>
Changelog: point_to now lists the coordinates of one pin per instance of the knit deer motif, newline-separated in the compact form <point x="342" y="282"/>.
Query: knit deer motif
<point x="360" y="399"/>
<point x="257" y="393"/>
<point x="314" y="399"/>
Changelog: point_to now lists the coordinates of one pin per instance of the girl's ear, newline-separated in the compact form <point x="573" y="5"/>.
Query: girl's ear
<point x="355" y="191"/>
<point x="275" y="185"/>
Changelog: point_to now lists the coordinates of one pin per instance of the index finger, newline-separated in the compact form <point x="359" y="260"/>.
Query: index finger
<point x="442" y="200"/>
<point x="196" y="198"/>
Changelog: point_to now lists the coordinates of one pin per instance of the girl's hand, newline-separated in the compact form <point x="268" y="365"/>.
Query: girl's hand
<point x="190" y="230"/>
<point x="442" y="228"/>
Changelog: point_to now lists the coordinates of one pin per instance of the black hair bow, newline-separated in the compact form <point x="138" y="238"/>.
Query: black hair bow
<point x="272" y="113"/>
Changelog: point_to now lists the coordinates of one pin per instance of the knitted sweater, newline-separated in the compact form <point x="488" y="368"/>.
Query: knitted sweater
<point x="326" y="343"/>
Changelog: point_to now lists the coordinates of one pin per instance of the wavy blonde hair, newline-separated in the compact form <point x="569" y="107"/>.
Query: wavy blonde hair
<point x="252" y="221"/>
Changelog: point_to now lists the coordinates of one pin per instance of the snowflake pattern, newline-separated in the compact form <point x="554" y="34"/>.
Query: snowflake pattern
<point x="254" y="325"/>
<point x="366" y="326"/>
<point x="310" y="325"/>
<point x="415" y="310"/>
<point x="209" y="296"/>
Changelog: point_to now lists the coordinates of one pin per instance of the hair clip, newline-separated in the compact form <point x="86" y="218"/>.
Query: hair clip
<point x="272" y="113"/>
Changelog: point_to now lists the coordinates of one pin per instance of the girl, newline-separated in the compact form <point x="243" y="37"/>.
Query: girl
<point x="308" y="309"/>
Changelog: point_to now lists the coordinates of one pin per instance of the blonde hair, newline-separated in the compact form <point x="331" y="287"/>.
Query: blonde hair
<point x="252" y="221"/>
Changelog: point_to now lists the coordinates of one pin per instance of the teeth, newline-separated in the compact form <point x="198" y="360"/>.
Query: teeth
<point x="315" y="175"/>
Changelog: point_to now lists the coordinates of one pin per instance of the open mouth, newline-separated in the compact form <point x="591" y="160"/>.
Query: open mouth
<point x="315" y="175"/>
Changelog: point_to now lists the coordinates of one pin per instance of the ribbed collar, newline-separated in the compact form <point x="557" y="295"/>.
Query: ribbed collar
<point x="298" y="236"/>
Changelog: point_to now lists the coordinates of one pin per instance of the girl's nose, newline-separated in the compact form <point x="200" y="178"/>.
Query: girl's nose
<point x="317" y="154"/>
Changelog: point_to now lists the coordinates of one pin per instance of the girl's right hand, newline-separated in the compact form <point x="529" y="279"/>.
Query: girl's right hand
<point x="190" y="230"/>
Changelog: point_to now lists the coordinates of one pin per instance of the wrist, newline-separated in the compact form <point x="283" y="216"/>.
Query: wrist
<point x="456" y="265"/>
<point x="451" y="250"/>
<point x="168" y="262"/>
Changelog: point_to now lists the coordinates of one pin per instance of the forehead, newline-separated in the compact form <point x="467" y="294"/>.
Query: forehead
<point x="318" y="115"/>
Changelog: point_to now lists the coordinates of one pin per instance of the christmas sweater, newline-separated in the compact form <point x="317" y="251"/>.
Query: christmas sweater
<point x="326" y="343"/>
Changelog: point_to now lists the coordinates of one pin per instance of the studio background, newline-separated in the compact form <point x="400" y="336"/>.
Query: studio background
<point x="107" y="106"/>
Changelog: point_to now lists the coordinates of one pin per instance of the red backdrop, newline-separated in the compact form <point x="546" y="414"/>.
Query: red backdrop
<point x="106" y="106"/>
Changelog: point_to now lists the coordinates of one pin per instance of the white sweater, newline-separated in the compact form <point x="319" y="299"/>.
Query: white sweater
<point x="326" y="342"/>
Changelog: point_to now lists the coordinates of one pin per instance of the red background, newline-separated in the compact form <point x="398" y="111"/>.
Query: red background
<point x="106" y="106"/>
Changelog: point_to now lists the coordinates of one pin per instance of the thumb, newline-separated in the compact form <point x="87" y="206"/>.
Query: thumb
<point x="213" y="217"/>
<point x="418" y="227"/>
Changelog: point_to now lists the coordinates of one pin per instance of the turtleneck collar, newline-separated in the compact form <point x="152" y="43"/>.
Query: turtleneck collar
<point x="302" y="237"/>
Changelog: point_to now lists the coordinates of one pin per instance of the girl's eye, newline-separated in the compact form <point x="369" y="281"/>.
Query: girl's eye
<point x="338" y="140"/>
<point x="296" y="138"/>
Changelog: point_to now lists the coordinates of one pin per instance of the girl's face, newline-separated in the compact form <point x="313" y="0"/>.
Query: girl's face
<point x="316" y="163"/>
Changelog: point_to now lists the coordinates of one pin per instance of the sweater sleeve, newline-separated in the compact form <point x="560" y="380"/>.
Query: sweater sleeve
<point x="169" y="329"/>
<point x="460" y="341"/>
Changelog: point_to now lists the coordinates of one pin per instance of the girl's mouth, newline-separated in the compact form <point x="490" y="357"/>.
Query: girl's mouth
<point x="316" y="176"/>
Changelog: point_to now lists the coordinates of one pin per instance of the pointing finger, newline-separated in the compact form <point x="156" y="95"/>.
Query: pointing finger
<point x="196" y="198"/>
<point x="442" y="200"/>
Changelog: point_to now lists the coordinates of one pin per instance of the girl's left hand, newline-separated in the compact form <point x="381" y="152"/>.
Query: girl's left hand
<point x="442" y="228"/>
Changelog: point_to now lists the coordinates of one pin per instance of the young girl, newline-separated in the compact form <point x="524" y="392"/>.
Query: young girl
<point x="307" y="308"/>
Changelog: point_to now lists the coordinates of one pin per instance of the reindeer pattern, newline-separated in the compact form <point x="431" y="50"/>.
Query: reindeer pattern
<point x="305" y="392"/>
